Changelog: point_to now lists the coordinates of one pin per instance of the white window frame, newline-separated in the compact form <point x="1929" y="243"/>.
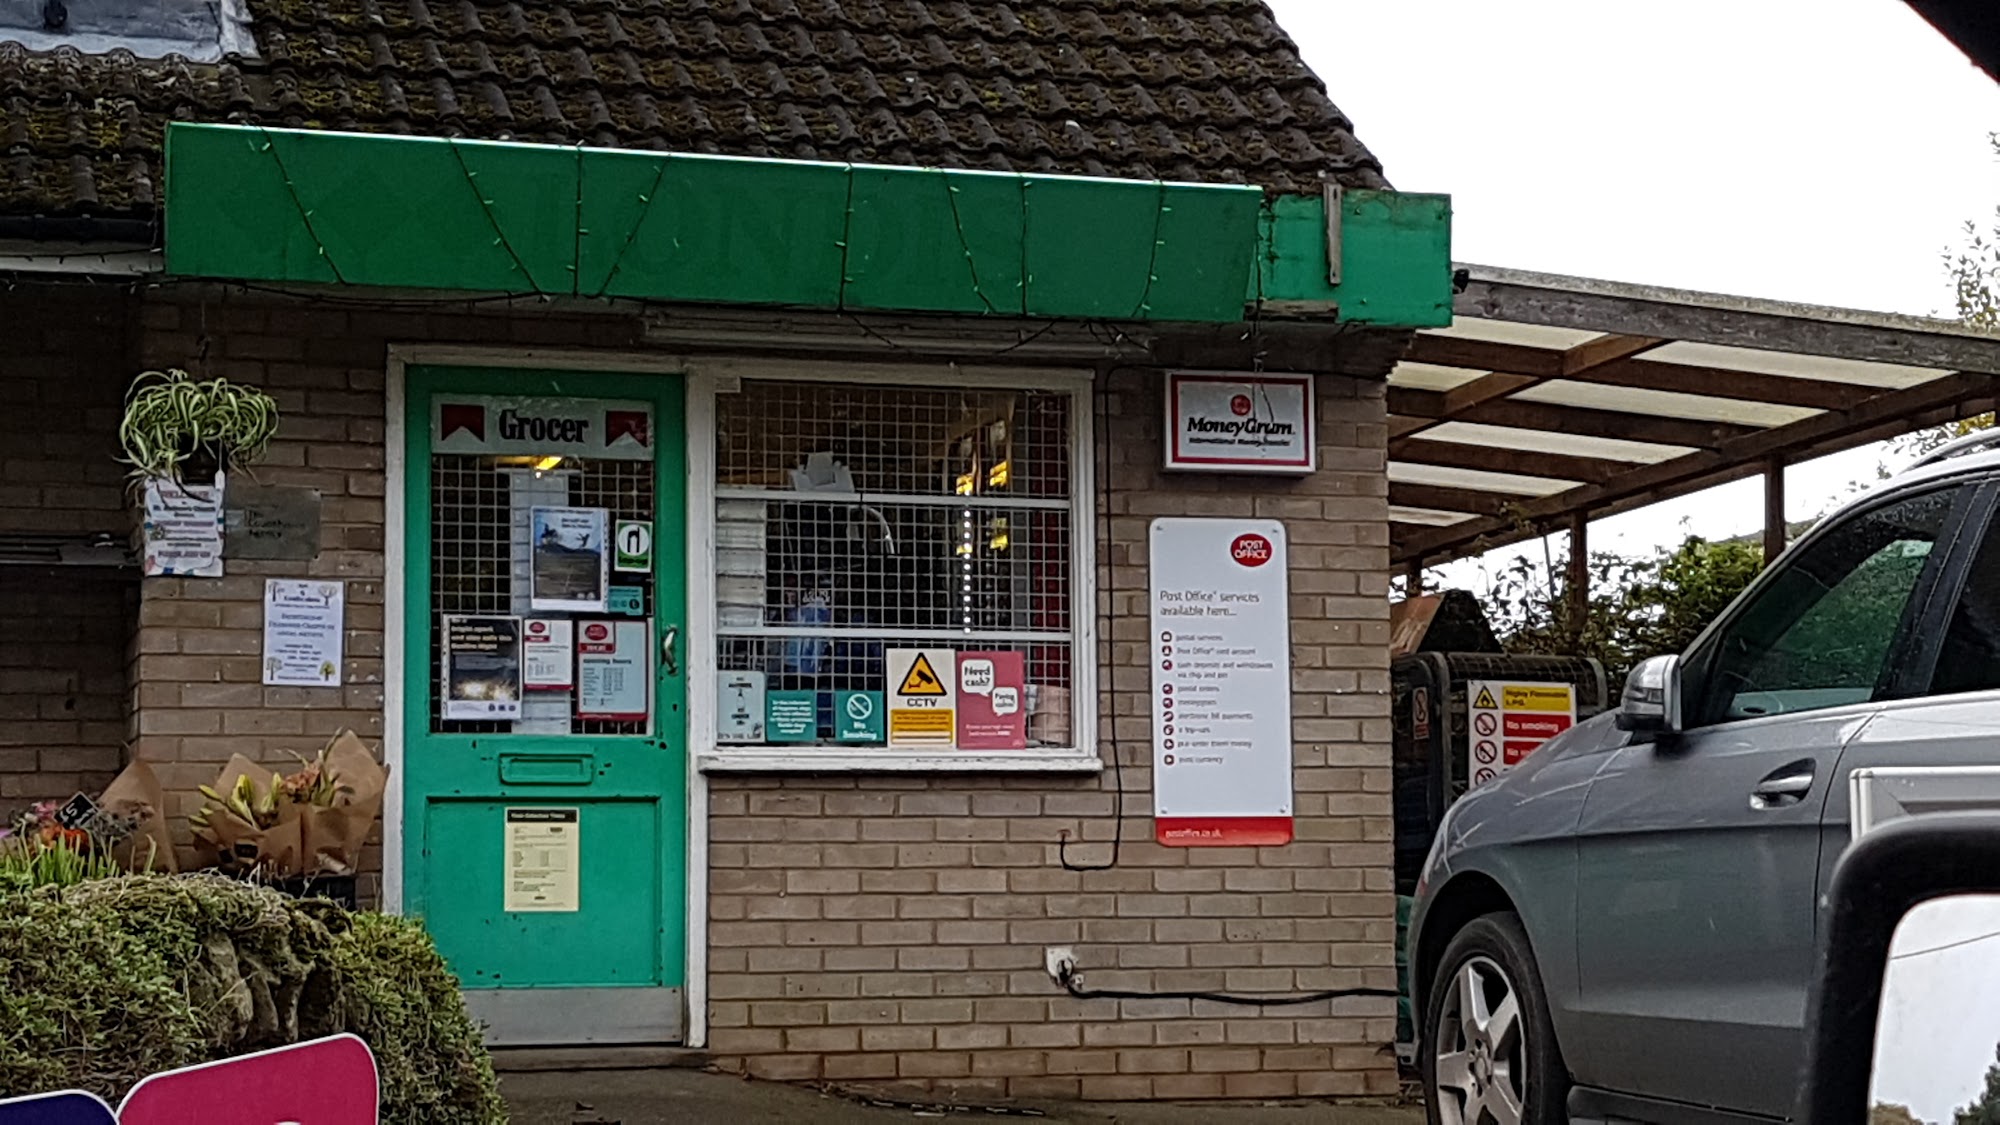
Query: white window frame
<point x="708" y="378"/>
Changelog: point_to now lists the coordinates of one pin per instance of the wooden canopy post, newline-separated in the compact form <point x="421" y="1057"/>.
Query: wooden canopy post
<point x="1576" y="583"/>
<point x="1774" y="509"/>
<point x="1413" y="579"/>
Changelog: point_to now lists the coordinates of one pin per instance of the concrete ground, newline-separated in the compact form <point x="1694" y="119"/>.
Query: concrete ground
<point x="695" y="1097"/>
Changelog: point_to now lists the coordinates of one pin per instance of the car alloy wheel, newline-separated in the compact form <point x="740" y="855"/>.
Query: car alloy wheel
<point x="1482" y="1057"/>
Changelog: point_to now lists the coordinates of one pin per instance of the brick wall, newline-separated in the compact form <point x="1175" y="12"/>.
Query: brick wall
<point x="890" y="931"/>
<point x="64" y="361"/>
<point x="196" y="677"/>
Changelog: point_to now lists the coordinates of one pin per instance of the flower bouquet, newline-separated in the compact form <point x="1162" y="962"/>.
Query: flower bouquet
<point x="258" y="822"/>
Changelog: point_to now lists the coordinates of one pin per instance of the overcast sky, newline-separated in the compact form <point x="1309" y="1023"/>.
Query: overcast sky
<point x="1825" y="151"/>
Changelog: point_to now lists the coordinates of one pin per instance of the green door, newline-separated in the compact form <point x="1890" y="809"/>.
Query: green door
<point x="545" y="749"/>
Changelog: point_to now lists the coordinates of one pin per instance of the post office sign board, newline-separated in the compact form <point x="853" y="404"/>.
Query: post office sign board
<point x="1220" y="649"/>
<point x="1220" y="422"/>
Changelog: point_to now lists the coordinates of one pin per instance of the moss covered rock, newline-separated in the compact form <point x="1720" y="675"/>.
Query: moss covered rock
<point x="106" y="982"/>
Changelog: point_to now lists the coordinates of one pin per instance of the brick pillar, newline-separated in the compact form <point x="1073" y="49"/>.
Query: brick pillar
<point x="197" y="691"/>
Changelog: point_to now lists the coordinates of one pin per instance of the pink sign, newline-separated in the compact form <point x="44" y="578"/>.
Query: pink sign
<point x="328" y="1081"/>
<point x="992" y="701"/>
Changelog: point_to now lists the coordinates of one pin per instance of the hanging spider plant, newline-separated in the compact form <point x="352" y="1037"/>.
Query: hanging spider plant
<point x="174" y="423"/>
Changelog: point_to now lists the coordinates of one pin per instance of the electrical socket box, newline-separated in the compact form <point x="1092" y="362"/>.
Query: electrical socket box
<point x="1060" y="961"/>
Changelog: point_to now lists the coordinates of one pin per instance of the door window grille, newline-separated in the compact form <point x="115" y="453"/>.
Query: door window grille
<point x="852" y="519"/>
<point x="480" y="551"/>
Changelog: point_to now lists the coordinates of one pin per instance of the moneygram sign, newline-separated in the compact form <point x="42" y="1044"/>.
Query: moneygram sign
<point x="1240" y="423"/>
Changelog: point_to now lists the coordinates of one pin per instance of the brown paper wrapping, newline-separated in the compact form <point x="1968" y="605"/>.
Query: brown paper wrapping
<point x="305" y="840"/>
<point x="136" y="795"/>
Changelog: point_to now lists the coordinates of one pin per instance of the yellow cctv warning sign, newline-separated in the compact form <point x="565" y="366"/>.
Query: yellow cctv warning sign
<point x="924" y="683"/>
<point x="922" y="679"/>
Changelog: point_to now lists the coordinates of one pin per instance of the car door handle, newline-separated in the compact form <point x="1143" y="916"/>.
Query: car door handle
<point x="1787" y="785"/>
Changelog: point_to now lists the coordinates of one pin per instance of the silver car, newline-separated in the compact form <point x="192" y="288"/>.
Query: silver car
<point x="1622" y="927"/>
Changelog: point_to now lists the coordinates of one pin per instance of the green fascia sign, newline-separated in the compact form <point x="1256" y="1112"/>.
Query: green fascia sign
<point x="313" y="207"/>
<point x="1395" y="253"/>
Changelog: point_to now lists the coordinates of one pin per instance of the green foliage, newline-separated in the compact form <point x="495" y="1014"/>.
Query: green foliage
<point x="26" y="863"/>
<point x="1637" y="607"/>
<point x="1985" y="1110"/>
<point x="170" y="416"/>
<point x="1975" y="281"/>
<point x="401" y="998"/>
<point x="107" y="981"/>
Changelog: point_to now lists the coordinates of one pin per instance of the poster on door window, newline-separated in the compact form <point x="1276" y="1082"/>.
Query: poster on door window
<point x="992" y="701"/>
<point x="548" y="654"/>
<point x="482" y="669"/>
<point x="304" y="627"/>
<point x="544" y="851"/>
<point x="1510" y="721"/>
<point x="570" y="562"/>
<point x="1220" y="649"/>
<point x="614" y="670"/>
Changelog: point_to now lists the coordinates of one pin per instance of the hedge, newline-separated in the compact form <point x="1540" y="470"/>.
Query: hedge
<point x="106" y="982"/>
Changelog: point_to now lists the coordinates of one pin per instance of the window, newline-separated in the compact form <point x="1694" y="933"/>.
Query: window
<point x="1819" y="633"/>
<point x="201" y="31"/>
<point x="885" y="549"/>
<point x="1969" y="657"/>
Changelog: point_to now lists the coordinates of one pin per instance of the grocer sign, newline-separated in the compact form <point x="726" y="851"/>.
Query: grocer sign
<point x="545" y="427"/>
<point x="1235" y="423"/>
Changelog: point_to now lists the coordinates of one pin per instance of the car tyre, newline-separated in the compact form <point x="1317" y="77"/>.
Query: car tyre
<point x="1490" y="1055"/>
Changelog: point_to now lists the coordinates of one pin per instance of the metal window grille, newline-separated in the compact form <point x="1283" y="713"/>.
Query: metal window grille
<point x="856" y="518"/>
<point x="478" y="510"/>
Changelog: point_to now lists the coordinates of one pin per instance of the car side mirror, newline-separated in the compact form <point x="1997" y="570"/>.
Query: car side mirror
<point x="1939" y="873"/>
<point x="1651" y="703"/>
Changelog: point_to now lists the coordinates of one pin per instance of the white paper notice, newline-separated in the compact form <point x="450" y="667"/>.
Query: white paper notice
<point x="304" y="625"/>
<point x="544" y="851"/>
<point x="613" y="669"/>
<point x="1222" y="683"/>
<point x="183" y="529"/>
<point x="548" y="654"/>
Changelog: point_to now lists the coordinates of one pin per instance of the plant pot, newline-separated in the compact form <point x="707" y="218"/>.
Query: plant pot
<point x="201" y="467"/>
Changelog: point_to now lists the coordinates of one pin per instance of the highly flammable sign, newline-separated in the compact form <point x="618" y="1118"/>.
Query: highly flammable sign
<point x="1509" y="721"/>
<point x="922" y="690"/>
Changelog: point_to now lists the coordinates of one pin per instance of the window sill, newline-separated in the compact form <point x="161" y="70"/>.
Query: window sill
<point x="775" y="760"/>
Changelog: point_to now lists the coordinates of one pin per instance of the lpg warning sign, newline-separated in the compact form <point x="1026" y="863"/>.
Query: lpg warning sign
<point x="1508" y="721"/>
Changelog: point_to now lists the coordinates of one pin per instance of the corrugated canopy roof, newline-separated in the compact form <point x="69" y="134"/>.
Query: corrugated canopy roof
<point x="1551" y="397"/>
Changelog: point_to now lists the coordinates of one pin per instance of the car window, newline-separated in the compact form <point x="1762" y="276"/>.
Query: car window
<point x="1818" y="633"/>
<point x="1969" y="654"/>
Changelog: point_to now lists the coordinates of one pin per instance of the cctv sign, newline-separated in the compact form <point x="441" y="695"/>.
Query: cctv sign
<point x="1240" y="423"/>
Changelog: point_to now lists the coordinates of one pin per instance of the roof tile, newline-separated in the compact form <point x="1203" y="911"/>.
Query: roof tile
<point x="1206" y="90"/>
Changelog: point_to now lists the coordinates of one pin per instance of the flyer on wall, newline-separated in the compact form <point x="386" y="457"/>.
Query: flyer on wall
<point x="571" y="568"/>
<point x="304" y="631"/>
<point x="482" y="668"/>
